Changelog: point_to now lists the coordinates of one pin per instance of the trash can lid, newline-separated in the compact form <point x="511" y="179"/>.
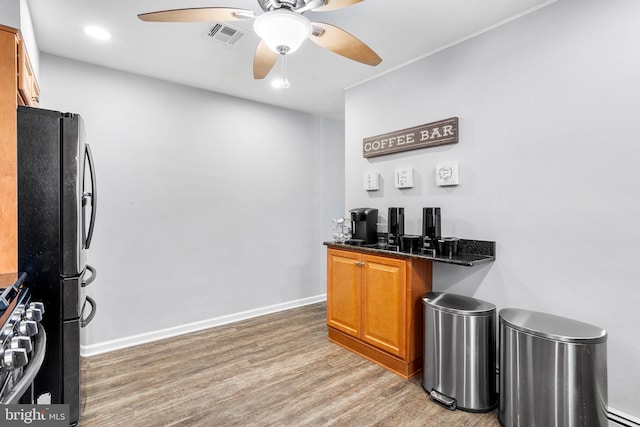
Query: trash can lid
<point x="552" y="327"/>
<point x="458" y="304"/>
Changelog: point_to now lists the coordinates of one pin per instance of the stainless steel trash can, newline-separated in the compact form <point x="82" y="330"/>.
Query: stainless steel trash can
<point x="460" y="351"/>
<point x="553" y="371"/>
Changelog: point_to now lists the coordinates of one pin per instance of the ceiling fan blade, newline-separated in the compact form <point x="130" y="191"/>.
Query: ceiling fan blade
<point x="263" y="61"/>
<point x="199" y="14"/>
<point x="336" y="4"/>
<point x="339" y="41"/>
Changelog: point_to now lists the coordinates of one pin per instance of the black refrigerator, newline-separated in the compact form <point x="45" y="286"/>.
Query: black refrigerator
<point x="56" y="218"/>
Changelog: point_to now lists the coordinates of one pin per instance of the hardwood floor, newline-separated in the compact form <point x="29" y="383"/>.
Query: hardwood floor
<point x="274" y="370"/>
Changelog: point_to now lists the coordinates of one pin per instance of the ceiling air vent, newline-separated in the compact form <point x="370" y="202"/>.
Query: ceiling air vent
<point x="225" y="34"/>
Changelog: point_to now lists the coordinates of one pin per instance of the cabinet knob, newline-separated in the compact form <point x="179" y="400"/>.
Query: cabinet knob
<point x="360" y="264"/>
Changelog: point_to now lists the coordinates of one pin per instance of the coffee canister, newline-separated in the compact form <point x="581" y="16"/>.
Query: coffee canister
<point x="410" y="243"/>
<point x="448" y="247"/>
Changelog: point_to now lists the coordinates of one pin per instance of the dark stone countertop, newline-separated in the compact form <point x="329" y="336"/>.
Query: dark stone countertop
<point x="470" y="252"/>
<point x="11" y="279"/>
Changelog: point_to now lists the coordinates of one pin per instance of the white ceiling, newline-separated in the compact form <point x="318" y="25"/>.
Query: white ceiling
<point x="399" y="31"/>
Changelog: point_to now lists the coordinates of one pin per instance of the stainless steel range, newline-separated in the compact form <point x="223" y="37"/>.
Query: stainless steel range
<point x="22" y="340"/>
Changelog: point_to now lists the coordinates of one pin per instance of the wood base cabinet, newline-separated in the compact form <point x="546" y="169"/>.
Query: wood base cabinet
<point x="374" y="307"/>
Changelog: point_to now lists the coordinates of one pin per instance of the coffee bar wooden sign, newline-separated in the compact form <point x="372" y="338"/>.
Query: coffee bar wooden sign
<point x="427" y="135"/>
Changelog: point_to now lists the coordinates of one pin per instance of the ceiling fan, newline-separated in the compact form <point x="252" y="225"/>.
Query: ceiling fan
<point x="282" y="28"/>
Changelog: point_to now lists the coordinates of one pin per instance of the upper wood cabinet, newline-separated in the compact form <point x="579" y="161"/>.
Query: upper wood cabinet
<point x="28" y="89"/>
<point x="18" y="85"/>
<point x="374" y="307"/>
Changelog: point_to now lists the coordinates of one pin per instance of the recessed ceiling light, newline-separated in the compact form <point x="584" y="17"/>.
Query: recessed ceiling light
<point x="97" y="33"/>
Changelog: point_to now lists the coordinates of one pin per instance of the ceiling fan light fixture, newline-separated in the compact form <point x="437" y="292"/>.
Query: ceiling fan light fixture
<point x="282" y="30"/>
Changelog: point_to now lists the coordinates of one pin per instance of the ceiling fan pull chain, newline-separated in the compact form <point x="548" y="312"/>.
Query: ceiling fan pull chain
<point x="284" y="82"/>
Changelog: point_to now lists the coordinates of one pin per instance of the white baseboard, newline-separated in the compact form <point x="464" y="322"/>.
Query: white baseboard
<point x="107" y="346"/>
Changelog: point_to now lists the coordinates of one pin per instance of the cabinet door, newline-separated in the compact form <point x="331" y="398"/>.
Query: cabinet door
<point x="384" y="304"/>
<point x="27" y="84"/>
<point x="343" y="291"/>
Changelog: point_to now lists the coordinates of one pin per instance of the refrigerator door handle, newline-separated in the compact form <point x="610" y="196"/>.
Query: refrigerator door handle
<point x="84" y="321"/>
<point x="93" y="196"/>
<point x="91" y="278"/>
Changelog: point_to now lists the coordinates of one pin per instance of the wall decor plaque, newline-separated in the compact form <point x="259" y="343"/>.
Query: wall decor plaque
<point x="427" y="135"/>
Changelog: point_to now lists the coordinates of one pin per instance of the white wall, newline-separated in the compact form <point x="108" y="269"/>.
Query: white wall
<point x="29" y="36"/>
<point x="549" y="150"/>
<point x="208" y="205"/>
<point x="15" y="14"/>
<point x="10" y="13"/>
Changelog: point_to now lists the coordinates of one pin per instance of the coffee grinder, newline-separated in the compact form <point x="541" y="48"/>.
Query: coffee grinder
<point x="363" y="224"/>
<point x="395" y="226"/>
<point x="430" y="230"/>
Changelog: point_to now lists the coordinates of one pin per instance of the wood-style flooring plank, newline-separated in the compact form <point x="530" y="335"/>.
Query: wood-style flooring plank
<point x="274" y="370"/>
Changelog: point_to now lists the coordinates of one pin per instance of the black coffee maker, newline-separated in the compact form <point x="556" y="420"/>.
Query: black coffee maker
<point x="430" y="230"/>
<point x="395" y="226"/>
<point x="363" y="225"/>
